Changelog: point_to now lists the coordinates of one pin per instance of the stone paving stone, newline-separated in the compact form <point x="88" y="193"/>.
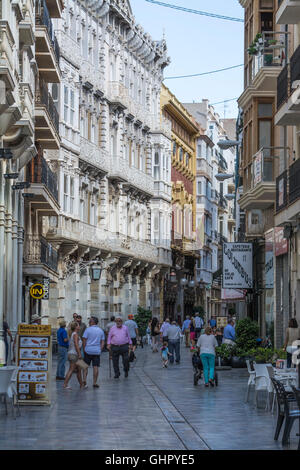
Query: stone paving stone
<point x="154" y="408"/>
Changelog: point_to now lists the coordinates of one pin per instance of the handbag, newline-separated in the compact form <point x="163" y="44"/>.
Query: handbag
<point x="81" y="364"/>
<point x="291" y="349"/>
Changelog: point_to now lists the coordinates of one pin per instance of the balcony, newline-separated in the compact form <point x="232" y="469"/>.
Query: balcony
<point x="288" y="195"/>
<point x="46" y="120"/>
<point x="46" y="45"/>
<point x="92" y="236"/>
<point x="288" y="94"/>
<point x="118" y="95"/>
<point x="91" y="154"/>
<point x="262" y="191"/>
<point x="204" y="169"/>
<point x="288" y="12"/>
<point x="131" y="176"/>
<point x="40" y="257"/>
<point x="43" y="185"/>
<point x="204" y="203"/>
<point x="55" y="8"/>
<point x="269" y="60"/>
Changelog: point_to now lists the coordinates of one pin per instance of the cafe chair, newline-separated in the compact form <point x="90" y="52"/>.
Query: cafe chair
<point x="285" y="412"/>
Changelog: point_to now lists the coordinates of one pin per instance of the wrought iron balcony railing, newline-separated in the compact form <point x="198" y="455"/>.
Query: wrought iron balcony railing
<point x="43" y="18"/>
<point x="288" y="186"/>
<point x="49" y="256"/>
<point x="38" y="171"/>
<point x="43" y="97"/>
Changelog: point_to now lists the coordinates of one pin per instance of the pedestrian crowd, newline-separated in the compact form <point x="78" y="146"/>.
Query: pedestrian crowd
<point x="83" y="345"/>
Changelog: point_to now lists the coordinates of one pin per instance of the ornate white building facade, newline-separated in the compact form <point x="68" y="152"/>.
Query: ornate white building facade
<point x="113" y="167"/>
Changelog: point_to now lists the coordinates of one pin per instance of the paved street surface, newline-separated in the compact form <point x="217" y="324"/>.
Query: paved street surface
<point x="154" y="409"/>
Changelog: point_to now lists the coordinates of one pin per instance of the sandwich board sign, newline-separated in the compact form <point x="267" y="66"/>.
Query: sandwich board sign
<point x="34" y="359"/>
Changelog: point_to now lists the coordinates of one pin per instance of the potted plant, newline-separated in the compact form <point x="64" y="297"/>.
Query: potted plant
<point x="142" y="319"/>
<point x="224" y="352"/>
<point x="252" y="49"/>
<point x="246" y="339"/>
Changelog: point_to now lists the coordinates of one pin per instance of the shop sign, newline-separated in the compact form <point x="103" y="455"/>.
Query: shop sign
<point x="37" y="291"/>
<point x="34" y="359"/>
<point x="237" y="266"/>
<point x="281" y="243"/>
<point x="269" y="260"/>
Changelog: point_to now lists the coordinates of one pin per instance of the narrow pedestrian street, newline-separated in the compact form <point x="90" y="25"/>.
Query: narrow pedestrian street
<point x="154" y="409"/>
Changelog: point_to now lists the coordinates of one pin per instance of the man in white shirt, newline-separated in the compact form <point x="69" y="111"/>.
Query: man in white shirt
<point x="93" y="343"/>
<point x="133" y="330"/>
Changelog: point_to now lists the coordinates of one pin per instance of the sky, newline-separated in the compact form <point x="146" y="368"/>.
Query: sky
<point x="199" y="44"/>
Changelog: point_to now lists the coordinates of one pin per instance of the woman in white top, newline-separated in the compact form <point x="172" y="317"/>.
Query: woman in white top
<point x="74" y="353"/>
<point x="207" y="344"/>
<point x="292" y="334"/>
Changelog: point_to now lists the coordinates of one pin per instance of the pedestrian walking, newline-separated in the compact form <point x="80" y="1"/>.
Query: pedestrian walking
<point x="154" y="334"/>
<point x="74" y="354"/>
<point x="6" y="332"/>
<point x="207" y="344"/>
<point x="212" y="322"/>
<point x="165" y="354"/>
<point x="93" y="344"/>
<point x="69" y="325"/>
<point x="198" y="325"/>
<point x="148" y="333"/>
<point x="133" y="331"/>
<point x="186" y="331"/>
<point x="174" y="342"/>
<point x="62" y="349"/>
<point x="219" y="336"/>
<point x="229" y="333"/>
<point x="192" y="334"/>
<point x="164" y="330"/>
<point x="119" y="343"/>
<point x="111" y="323"/>
<point x="292" y="334"/>
<point x="82" y="326"/>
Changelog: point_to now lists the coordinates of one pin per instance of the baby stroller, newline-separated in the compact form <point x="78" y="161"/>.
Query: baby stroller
<point x="198" y="368"/>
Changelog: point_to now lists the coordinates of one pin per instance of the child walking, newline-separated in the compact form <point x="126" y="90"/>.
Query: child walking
<point x="165" y="354"/>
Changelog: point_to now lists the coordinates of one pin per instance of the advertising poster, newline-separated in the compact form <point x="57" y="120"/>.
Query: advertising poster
<point x="34" y="358"/>
<point x="237" y="266"/>
<point x="257" y="168"/>
<point x="222" y="322"/>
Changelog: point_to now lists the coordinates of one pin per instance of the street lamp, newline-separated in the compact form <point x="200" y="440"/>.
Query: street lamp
<point x="96" y="272"/>
<point x="227" y="144"/>
<point x="223" y="176"/>
<point x="230" y="197"/>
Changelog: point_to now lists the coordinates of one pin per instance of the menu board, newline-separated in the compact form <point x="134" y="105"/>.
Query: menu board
<point x="34" y="359"/>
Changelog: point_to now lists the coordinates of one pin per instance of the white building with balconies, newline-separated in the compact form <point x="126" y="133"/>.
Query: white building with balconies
<point x="113" y="165"/>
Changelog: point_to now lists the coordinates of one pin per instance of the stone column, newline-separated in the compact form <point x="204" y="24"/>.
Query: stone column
<point x="2" y="238"/>
<point x="8" y="258"/>
<point x="77" y="290"/>
<point x="20" y="243"/>
<point x="88" y="295"/>
<point x="14" y="267"/>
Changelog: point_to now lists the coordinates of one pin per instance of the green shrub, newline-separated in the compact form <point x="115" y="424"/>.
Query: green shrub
<point x="225" y="351"/>
<point x="142" y="319"/>
<point x="246" y="331"/>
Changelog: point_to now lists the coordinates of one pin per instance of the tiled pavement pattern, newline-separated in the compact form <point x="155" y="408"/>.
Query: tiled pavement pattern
<point x="155" y="409"/>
